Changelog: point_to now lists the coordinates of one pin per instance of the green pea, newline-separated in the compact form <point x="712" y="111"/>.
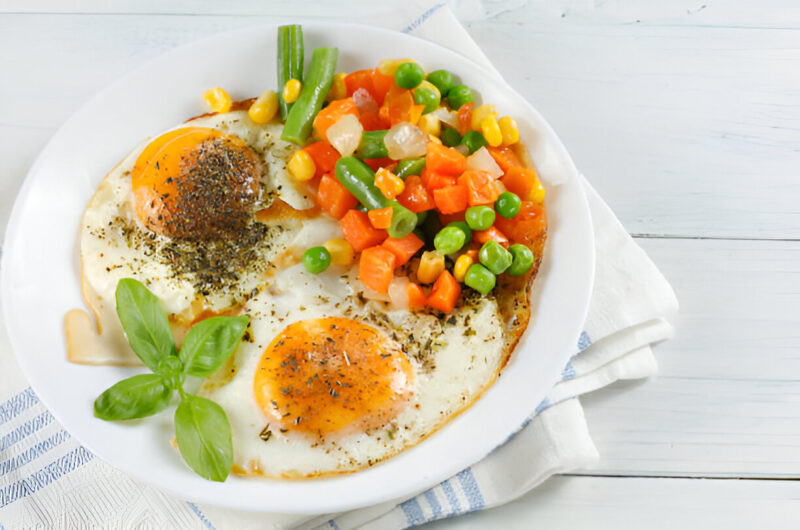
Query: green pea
<point x="409" y="75"/>
<point x="459" y="95"/>
<point x="473" y="140"/>
<point x="479" y="217"/>
<point x="480" y="278"/>
<point x="464" y="227"/>
<point x="508" y="204"/>
<point x="441" y="79"/>
<point x="449" y="239"/>
<point x="450" y="137"/>
<point x="494" y="257"/>
<point x="523" y="260"/>
<point x="316" y="259"/>
<point x="428" y="97"/>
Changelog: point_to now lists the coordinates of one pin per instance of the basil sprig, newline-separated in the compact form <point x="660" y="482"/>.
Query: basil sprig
<point x="202" y="429"/>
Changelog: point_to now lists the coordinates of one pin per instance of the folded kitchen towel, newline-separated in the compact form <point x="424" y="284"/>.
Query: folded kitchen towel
<point x="47" y="479"/>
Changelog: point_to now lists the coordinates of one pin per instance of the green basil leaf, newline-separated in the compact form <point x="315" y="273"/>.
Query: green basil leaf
<point x="135" y="397"/>
<point x="210" y="342"/>
<point x="145" y="323"/>
<point x="204" y="437"/>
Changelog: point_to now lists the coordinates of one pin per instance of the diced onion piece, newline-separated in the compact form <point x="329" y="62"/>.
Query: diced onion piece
<point x="365" y="103"/>
<point x="450" y="117"/>
<point x="345" y="134"/>
<point x="405" y="140"/>
<point x="501" y="188"/>
<point x="398" y="293"/>
<point x="481" y="160"/>
<point x="463" y="149"/>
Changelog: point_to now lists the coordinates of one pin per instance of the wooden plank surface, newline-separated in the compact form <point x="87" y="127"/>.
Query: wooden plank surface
<point x="603" y="503"/>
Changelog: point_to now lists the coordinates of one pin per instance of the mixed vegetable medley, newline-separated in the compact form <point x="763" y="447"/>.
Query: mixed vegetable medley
<point x="425" y="182"/>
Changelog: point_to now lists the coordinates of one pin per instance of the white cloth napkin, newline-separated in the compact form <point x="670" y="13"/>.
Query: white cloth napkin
<point x="47" y="479"/>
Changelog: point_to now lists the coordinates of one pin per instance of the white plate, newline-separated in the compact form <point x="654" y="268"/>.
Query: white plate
<point x="40" y="270"/>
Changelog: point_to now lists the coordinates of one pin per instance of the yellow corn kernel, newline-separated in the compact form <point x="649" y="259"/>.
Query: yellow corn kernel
<point x="301" y="166"/>
<point x="217" y="99"/>
<point x="389" y="66"/>
<point x="338" y="88"/>
<point x="264" y="107"/>
<point x="389" y="184"/>
<point x="431" y="265"/>
<point x="479" y="113"/>
<point x="435" y="139"/>
<point x="291" y="90"/>
<point x="430" y="125"/>
<point x="491" y="131"/>
<point x="462" y="265"/>
<point x="537" y="192"/>
<point x="341" y="251"/>
<point x="508" y="126"/>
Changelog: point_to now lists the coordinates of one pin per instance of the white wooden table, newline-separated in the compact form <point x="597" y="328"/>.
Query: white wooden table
<point x="685" y="115"/>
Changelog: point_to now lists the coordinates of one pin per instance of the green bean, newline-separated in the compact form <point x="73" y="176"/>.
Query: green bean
<point x="410" y="166"/>
<point x="371" y="145"/>
<point x="290" y="60"/>
<point x="359" y="179"/>
<point x="319" y="78"/>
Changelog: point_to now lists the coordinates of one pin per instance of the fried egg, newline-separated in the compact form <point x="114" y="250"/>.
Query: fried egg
<point x="329" y="382"/>
<point x="179" y="214"/>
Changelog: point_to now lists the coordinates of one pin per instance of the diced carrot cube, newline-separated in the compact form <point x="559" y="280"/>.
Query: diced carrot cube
<point x="480" y="186"/>
<point x="527" y="226"/>
<point x="381" y="218"/>
<point x="403" y="248"/>
<point x="331" y="114"/>
<point x="435" y="181"/>
<point x="520" y="180"/>
<point x="505" y="157"/>
<point x="334" y="198"/>
<point x="376" y="268"/>
<point x="451" y="199"/>
<point x="444" y="160"/>
<point x="465" y="117"/>
<point x="358" y="231"/>
<point x="445" y="293"/>
<point x="324" y="156"/>
<point x="415" y="197"/>
<point x="492" y="234"/>
<point x="416" y="296"/>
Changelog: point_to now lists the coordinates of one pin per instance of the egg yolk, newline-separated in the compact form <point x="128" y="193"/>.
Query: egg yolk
<point x="332" y="375"/>
<point x="196" y="182"/>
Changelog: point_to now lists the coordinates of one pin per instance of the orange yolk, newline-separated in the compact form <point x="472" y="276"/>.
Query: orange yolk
<point x="196" y="182"/>
<point x="332" y="375"/>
